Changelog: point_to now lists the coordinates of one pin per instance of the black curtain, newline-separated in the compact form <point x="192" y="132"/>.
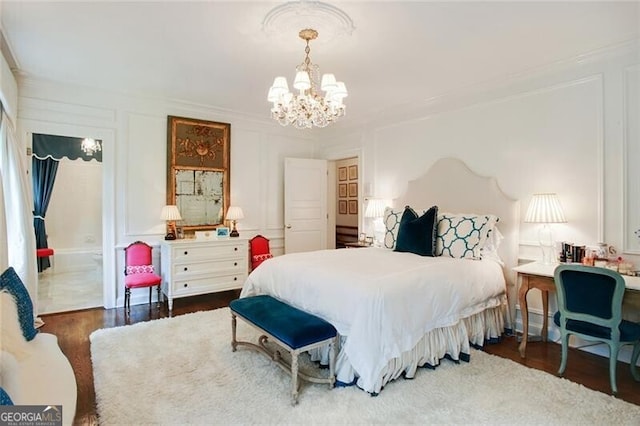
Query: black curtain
<point x="44" y="176"/>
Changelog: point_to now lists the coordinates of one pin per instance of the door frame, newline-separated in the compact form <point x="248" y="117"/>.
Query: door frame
<point x="28" y="127"/>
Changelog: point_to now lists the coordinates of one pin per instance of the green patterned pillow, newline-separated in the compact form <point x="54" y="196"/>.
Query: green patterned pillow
<point x="463" y="235"/>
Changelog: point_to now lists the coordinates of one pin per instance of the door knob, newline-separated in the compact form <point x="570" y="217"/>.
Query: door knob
<point x="288" y="226"/>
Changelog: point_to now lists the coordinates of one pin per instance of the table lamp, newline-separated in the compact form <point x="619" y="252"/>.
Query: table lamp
<point x="234" y="214"/>
<point x="545" y="209"/>
<point x="375" y="211"/>
<point x="170" y="214"/>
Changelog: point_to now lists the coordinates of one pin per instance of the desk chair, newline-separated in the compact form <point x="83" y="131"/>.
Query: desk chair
<point x="260" y="250"/>
<point x="590" y="306"/>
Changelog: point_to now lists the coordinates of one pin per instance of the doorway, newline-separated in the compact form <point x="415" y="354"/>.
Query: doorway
<point x="71" y="202"/>
<point x="347" y="190"/>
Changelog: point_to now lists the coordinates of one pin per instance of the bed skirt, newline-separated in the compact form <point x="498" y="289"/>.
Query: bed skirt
<point x="453" y="342"/>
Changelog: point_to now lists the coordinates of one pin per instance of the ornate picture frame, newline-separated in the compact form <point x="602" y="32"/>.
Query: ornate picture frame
<point x="198" y="161"/>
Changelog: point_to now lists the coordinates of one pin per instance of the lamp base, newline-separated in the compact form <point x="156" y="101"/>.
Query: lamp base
<point x="170" y="236"/>
<point x="234" y="233"/>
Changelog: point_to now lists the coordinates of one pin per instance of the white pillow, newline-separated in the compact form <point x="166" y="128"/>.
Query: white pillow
<point x="462" y="235"/>
<point x="491" y="245"/>
<point x="10" y="376"/>
<point x="11" y="338"/>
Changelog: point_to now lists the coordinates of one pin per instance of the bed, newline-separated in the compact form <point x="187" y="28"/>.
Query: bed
<point x="397" y="311"/>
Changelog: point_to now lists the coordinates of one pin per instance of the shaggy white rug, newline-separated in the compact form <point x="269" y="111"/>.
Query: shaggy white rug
<point x="182" y="371"/>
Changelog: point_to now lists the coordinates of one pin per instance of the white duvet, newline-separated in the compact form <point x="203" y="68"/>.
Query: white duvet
<point x="382" y="301"/>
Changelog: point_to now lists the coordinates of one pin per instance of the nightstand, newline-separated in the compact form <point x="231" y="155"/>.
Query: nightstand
<point x="540" y="276"/>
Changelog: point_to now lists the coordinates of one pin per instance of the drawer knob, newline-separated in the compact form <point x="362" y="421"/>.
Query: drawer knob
<point x="186" y="285"/>
<point x="235" y="249"/>
<point x="186" y="252"/>
<point x="185" y="268"/>
<point x="235" y="263"/>
<point x="235" y="278"/>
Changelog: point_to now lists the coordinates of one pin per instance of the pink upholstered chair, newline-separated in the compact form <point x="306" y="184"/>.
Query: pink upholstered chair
<point x="139" y="272"/>
<point x="260" y="250"/>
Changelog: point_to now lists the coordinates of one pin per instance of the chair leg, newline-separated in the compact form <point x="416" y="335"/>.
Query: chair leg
<point x="159" y="295"/>
<point x="565" y="352"/>
<point x="127" y="301"/>
<point x="613" y="361"/>
<point x="634" y="361"/>
<point x="150" y="293"/>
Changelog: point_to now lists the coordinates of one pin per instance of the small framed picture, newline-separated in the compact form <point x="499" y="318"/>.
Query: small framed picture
<point x="353" y="172"/>
<point x="353" y="189"/>
<point x="222" y="232"/>
<point x="353" y="206"/>
<point x="342" y="190"/>
<point x="342" y="173"/>
<point x="342" y="207"/>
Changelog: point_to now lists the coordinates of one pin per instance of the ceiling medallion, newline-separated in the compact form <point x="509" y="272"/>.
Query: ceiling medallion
<point x="288" y="18"/>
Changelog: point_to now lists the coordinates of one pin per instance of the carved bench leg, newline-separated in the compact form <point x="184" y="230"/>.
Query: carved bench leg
<point x="234" y="342"/>
<point x="294" y="377"/>
<point x="332" y="363"/>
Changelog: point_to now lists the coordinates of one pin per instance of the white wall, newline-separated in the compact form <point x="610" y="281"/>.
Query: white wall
<point x="564" y="128"/>
<point x="133" y="130"/>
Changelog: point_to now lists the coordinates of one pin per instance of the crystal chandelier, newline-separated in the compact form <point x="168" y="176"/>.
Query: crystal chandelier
<point x="307" y="108"/>
<point x="90" y="146"/>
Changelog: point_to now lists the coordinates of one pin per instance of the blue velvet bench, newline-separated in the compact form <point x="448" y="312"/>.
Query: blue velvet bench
<point x="290" y="328"/>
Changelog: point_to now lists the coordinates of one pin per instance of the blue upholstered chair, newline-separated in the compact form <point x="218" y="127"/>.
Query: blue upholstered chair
<point x="590" y="306"/>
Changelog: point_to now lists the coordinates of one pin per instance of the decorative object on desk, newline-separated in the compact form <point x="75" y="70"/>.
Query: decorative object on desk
<point x="222" y="232"/>
<point x="234" y="214"/>
<point x="545" y="209"/>
<point x="170" y="214"/>
<point x="307" y="108"/>
<point x="198" y="171"/>
<point x="375" y="211"/>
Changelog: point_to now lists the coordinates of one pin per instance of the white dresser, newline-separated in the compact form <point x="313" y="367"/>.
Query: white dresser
<point x="191" y="267"/>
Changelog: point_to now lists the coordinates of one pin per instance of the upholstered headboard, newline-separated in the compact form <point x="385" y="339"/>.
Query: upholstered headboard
<point x="454" y="188"/>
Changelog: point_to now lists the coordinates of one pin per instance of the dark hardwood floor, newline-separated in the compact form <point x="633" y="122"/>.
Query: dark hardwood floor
<point x="73" y="330"/>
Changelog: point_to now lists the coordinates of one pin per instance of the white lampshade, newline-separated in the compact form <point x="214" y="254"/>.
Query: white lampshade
<point x="545" y="208"/>
<point x="340" y="91"/>
<point x="375" y="208"/>
<point x="170" y="213"/>
<point x="302" y="81"/>
<point x="280" y="85"/>
<point x="234" y="213"/>
<point x="328" y="82"/>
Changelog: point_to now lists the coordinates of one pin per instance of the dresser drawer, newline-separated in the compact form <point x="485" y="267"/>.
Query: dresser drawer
<point x="193" y="253"/>
<point x="182" y="287"/>
<point x="211" y="267"/>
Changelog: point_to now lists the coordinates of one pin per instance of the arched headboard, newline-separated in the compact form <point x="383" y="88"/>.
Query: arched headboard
<point x="455" y="188"/>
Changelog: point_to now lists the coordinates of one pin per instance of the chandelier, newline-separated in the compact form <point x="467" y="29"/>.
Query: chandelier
<point x="307" y="108"/>
<point x="90" y="146"/>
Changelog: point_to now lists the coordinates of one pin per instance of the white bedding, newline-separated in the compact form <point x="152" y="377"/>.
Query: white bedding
<point x="381" y="302"/>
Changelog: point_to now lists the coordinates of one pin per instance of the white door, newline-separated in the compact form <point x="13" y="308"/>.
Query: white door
<point x="305" y="205"/>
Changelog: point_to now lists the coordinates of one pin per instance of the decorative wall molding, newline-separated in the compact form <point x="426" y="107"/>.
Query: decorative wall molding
<point x="631" y="165"/>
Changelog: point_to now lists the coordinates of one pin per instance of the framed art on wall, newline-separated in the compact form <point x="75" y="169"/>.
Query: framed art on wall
<point x="198" y="171"/>
<point x="353" y="189"/>
<point x="353" y="172"/>
<point x="342" y="173"/>
<point x="342" y="190"/>
<point x="342" y="207"/>
<point x="353" y="206"/>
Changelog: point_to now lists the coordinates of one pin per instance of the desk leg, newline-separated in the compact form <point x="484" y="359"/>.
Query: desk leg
<point x="545" y="314"/>
<point x="522" y="298"/>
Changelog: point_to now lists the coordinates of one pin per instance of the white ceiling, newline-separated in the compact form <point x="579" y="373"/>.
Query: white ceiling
<point x="215" y="53"/>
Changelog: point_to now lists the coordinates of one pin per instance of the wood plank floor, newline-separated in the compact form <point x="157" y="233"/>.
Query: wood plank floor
<point x="73" y="330"/>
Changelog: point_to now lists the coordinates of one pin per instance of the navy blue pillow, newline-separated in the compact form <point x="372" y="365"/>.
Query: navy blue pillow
<point x="418" y="234"/>
<point x="11" y="282"/>
<point x="4" y="398"/>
